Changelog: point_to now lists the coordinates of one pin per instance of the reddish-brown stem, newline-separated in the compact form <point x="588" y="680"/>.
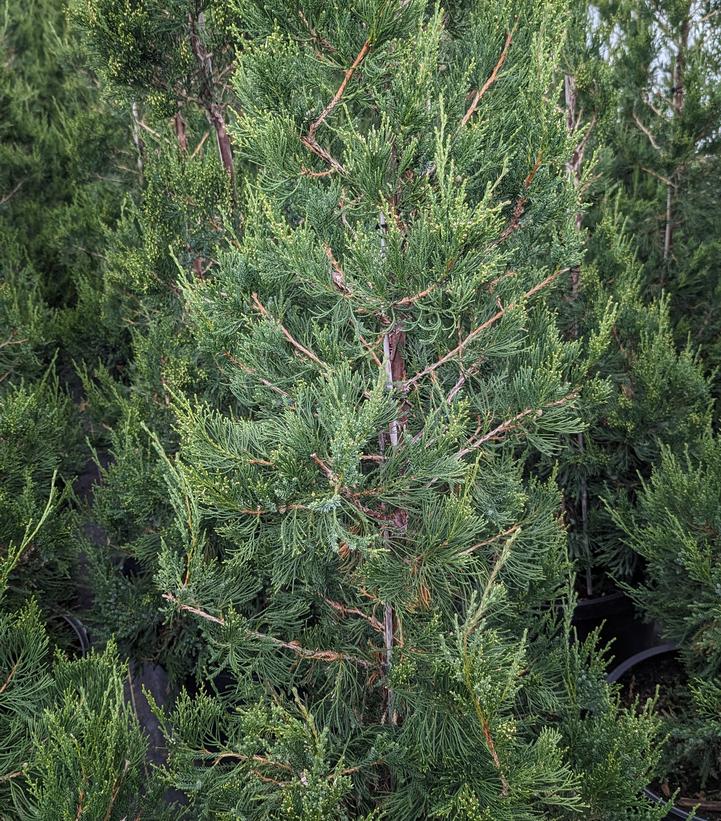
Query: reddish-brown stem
<point x="213" y="110"/>
<point x="332" y="478"/>
<point x="354" y="611"/>
<point x="286" y="333"/>
<point x="508" y="532"/>
<point x="10" y="676"/>
<point x="484" y="326"/>
<point x="250" y="371"/>
<point x="180" y="133"/>
<point x="510" y="424"/>
<point x="81" y="806"/>
<point x="328" y="110"/>
<point x="293" y="646"/>
<point x="309" y="139"/>
<point x="489" y="82"/>
<point x="410" y="300"/>
<point x="494" y="755"/>
<point x="520" y="206"/>
<point x="326" y="156"/>
<point x="336" y="272"/>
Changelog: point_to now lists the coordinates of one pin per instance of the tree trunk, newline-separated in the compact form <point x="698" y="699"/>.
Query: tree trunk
<point x="214" y="111"/>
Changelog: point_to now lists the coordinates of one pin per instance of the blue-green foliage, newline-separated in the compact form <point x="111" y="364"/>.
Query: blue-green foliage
<point x="676" y="531"/>
<point x="356" y="521"/>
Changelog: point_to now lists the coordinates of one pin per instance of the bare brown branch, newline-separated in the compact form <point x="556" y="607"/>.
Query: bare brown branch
<point x="484" y="326"/>
<point x="214" y="111"/>
<point x="490" y="81"/>
<point x="336" y="272"/>
<point x="293" y="646"/>
<point x="309" y="139"/>
<point x="286" y="333"/>
<point x="511" y="424"/>
<point x="328" y="110"/>
<point x="478" y="545"/>
<point x="346" y="611"/>
<point x="250" y="371"/>
<point x="7" y="197"/>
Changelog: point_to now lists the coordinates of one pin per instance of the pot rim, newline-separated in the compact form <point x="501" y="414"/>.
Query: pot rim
<point x="658" y="650"/>
<point x="600" y="607"/>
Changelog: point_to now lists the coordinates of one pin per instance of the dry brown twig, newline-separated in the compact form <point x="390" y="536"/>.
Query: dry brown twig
<point x="251" y="372"/>
<point x="521" y="202"/>
<point x="512" y="423"/>
<point x="286" y="333"/>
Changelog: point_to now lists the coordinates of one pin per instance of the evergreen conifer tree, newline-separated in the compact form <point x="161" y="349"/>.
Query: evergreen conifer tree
<point x="666" y="70"/>
<point x="70" y="748"/>
<point x="356" y="538"/>
<point x="169" y="63"/>
<point x="63" y="163"/>
<point x="648" y="392"/>
<point x="675" y="530"/>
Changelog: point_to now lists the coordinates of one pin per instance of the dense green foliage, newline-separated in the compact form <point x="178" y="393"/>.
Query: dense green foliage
<point x="665" y="150"/>
<point x="658" y="391"/>
<point x="656" y="396"/>
<point x="64" y="155"/>
<point x="389" y="325"/>
<point x="356" y="524"/>
<point x="677" y="531"/>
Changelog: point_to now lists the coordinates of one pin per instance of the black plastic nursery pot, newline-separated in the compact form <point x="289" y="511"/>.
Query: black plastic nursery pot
<point x="625" y="668"/>
<point x="615" y="617"/>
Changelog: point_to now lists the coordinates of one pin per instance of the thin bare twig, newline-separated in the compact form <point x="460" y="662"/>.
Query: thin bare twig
<point x="520" y="206"/>
<point x="336" y="272"/>
<point x="307" y="172"/>
<point x="214" y="111"/>
<point x="664" y="180"/>
<point x="314" y="34"/>
<point x="10" y="676"/>
<point x="309" y="139"/>
<point x="332" y="478"/>
<point x="491" y="79"/>
<point x="484" y="326"/>
<point x="510" y="424"/>
<point x="410" y="300"/>
<point x="247" y="369"/>
<point x="286" y="333"/>
<point x="328" y="110"/>
<point x="645" y="130"/>
<point x="294" y="646"/>
<point x="508" y="532"/>
<point x="200" y="144"/>
<point x="11" y="194"/>
<point x="354" y="611"/>
<point x="369" y="348"/>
